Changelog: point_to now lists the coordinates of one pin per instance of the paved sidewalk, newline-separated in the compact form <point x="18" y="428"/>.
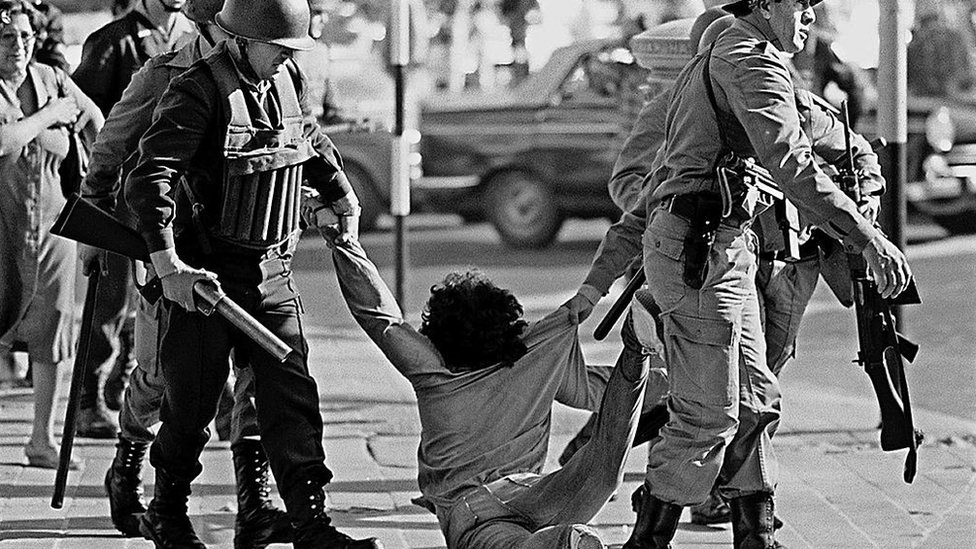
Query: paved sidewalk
<point x="837" y="489"/>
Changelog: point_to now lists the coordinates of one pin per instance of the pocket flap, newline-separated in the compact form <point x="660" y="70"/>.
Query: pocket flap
<point x="701" y="330"/>
<point x="667" y="246"/>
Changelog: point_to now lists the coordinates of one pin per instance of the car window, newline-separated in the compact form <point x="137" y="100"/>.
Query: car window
<point x="596" y="77"/>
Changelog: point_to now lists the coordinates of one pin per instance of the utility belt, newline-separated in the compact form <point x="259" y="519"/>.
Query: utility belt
<point x="745" y="191"/>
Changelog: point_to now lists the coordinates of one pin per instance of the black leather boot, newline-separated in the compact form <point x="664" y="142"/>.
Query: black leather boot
<point x="753" y="522"/>
<point x="258" y="523"/>
<point x="166" y="523"/>
<point x="118" y="378"/>
<point x="123" y="483"/>
<point x="313" y="527"/>
<point x="656" y="521"/>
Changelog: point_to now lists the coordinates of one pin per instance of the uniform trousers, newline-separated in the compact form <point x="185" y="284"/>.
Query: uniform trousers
<point x="193" y="354"/>
<point x="785" y="290"/>
<point x="144" y="394"/>
<point x="724" y="401"/>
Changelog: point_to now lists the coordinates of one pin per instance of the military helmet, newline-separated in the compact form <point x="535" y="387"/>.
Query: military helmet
<point x="745" y="7"/>
<point x="202" y="11"/>
<point x="280" y="22"/>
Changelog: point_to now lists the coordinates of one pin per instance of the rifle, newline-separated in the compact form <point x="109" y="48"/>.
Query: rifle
<point x="881" y="347"/>
<point x="82" y="221"/>
<point x="78" y="373"/>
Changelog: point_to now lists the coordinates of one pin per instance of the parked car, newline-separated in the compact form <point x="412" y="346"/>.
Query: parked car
<point x="942" y="163"/>
<point x="528" y="157"/>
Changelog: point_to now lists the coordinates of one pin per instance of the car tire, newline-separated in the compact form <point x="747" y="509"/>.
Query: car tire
<point x="523" y="210"/>
<point x="369" y="199"/>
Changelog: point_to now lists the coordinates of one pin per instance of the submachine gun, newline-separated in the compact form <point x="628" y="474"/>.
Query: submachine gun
<point x="881" y="347"/>
<point x="82" y="221"/>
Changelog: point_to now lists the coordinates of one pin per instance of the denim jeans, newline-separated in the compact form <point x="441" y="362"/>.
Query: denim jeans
<point x="724" y="401"/>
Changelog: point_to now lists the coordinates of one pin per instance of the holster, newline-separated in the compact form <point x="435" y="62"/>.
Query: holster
<point x="704" y="218"/>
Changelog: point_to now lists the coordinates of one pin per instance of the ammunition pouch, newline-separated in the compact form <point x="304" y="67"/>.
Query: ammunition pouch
<point x="260" y="210"/>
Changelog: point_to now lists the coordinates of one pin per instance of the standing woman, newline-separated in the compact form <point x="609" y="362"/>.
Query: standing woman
<point x="39" y="106"/>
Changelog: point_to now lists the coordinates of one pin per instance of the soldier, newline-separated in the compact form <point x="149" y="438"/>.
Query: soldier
<point x="110" y="56"/>
<point x="258" y="522"/>
<point x="785" y="287"/>
<point x="234" y="127"/>
<point x="701" y="265"/>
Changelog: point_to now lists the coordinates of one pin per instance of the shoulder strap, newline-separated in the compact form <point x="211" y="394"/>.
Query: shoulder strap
<point x="707" y="76"/>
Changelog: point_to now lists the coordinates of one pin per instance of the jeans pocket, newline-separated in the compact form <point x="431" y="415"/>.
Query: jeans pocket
<point x="701" y="359"/>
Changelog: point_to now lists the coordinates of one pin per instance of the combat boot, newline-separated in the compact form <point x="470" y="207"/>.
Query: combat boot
<point x="656" y="521"/>
<point x="313" y="527"/>
<point x="118" y="378"/>
<point x="166" y="522"/>
<point x="258" y="523"/>
<point x="123" y="483"/>
<point x="753" y="522"/>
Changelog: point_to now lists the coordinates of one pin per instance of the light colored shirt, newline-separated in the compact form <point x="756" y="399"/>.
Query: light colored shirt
<point x="477" y="426"/>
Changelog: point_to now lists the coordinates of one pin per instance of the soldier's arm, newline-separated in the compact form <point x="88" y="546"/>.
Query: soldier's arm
<point x="761" y="95"/>
<point x="119" y="138"/>
<point x="185" y="112"/>
<point x="828" y="142"/>
<point x="637" y="156"/>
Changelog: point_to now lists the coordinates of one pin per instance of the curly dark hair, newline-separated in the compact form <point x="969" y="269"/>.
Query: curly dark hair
<point x="473" y="323"/>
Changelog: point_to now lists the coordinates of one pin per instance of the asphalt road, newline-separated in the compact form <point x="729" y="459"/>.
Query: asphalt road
<point x="942" y="379"/>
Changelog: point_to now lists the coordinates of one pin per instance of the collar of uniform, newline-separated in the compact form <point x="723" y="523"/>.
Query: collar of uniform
<point x="755" y="31"/>
<point x="258" y="87"/>
<point x="189" y="53"/>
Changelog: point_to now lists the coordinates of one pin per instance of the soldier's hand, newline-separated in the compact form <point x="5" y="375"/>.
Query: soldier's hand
<point x="178" y="278"/>
<point x="347" y="209"/>
<point x="92" y="258"/>
<point x="580" y="307"/>
<point x="62" y="111"/>
<point x="645" y="328"/>
<point x="888" y="267"/>
<point x="178" y="285"/>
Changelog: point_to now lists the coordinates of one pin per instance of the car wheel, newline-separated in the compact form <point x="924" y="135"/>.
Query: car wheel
<point x="523" y="211"/>
<point x="369" y="200"/>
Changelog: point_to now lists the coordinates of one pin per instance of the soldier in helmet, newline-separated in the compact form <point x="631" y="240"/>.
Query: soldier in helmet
<point x="217" y="191"/>
<point x="258" y="522"/>
<point x="700" y="259"/>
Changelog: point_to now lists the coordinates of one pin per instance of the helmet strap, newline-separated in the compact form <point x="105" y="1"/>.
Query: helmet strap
<point x="245" y="59"/>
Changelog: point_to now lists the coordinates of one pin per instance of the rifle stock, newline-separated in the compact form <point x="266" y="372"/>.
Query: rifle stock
<point x="78" y="372"/>
<point x="881" y="347"/>
<point x="82" y="221"/>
